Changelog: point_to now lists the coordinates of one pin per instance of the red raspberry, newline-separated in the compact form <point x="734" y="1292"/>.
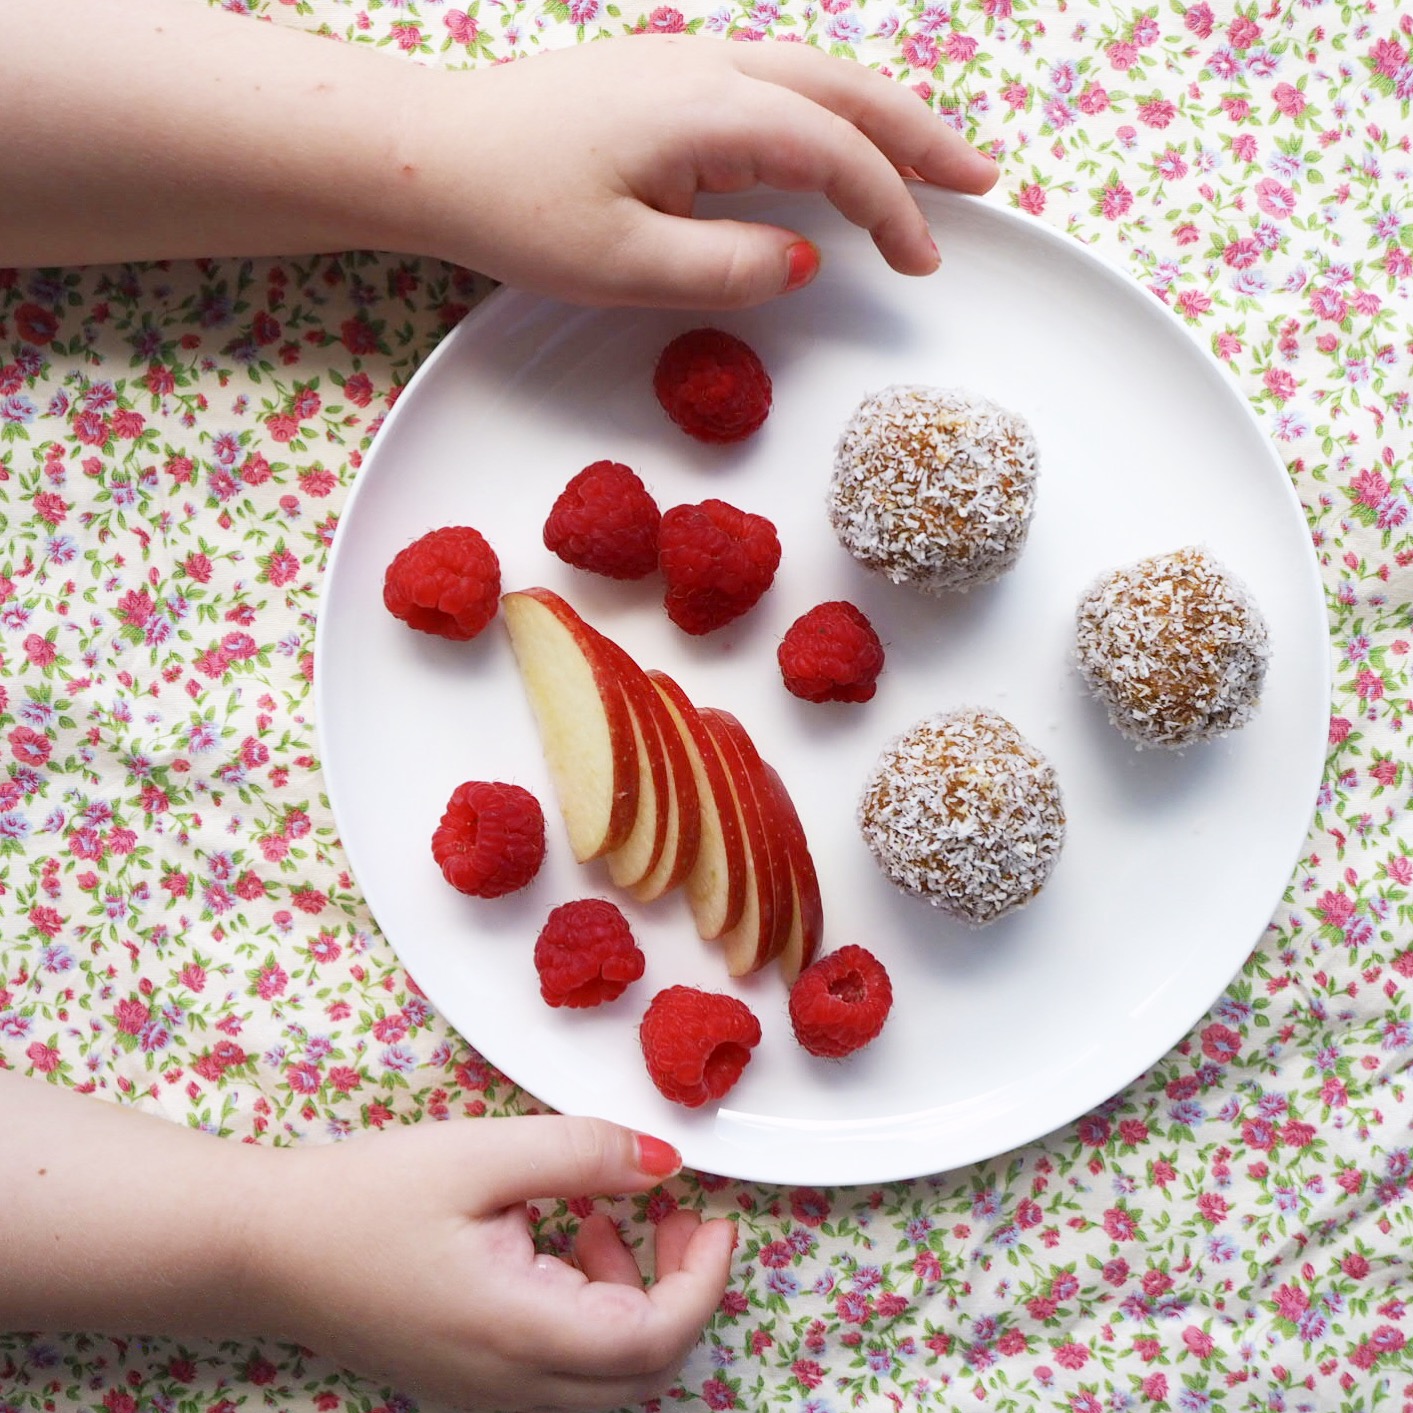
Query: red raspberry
<point x="697" y="1043"/>
<point x="585" y="954"/>
<point x="831" y="654"/>
<point x="839" y="1004"/>
<point x="712" y="385"/>
<point x="717" y="562"/>
<point x="447" y="583"/>
<point x="606" y="522"/>
<point x="491" y="839"/>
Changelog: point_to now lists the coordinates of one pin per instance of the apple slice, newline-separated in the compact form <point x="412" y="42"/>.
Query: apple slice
<point x="715" y="882"/>
<point x="807" y="907"/>
<point x="639" y="854"/>
<point x="683" y="821"/>
<point x="765" y="921"/>
<point x="586" y="728"/>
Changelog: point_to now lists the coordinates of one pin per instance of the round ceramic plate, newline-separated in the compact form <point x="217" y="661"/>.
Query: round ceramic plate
<point x="1174" y="862"/>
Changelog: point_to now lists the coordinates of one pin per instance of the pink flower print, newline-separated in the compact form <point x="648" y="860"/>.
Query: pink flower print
<point x="1386" y="58"/>
<point x="1288" y="99"/>
<point x="271" y="982"/>
<point x="283" y="567"/>
<point x="1115" y="201"/>
<point x="50" y="508"/>
<point x="1031" y="198"/>
<point x="128" y="425"/>
<point x="1015" y="96"/>
<point x="462" y="26"/>
<point x="43" y="1057"/>
<point x="1071" y="1355"/>
<point x="30" y="747"/>
<point x="960" y="48"/>
<point x="1122" y="56"/>
<point x="1157" y="113"/>
<point x="282" y="426"/>
<point x="1275" y="198"/>
<point x="1119" y="1224"/>
<point x="309" y="900"/>
<point x="921" y="51"/>
<point x="1094" y="99"/>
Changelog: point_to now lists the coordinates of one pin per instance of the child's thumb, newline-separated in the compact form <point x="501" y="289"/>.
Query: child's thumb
<point x="553" y="1156"/>
<point x="684" y="262"/>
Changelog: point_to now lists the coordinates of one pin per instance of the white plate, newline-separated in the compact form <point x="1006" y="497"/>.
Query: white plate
<point x="1174" y="863"/>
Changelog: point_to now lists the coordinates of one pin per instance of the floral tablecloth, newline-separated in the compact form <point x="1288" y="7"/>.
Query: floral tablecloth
<point x="181" y="932"/>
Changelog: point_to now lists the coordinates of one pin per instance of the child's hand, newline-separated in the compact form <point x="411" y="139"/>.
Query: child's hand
<point x="569" y="173"/>
<point x="407" y="1255"/>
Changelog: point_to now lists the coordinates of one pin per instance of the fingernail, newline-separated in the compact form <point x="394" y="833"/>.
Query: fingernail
<point x="802" y="264"/>
<point x="656" y="1158"/>
<point x="936" y="254"/>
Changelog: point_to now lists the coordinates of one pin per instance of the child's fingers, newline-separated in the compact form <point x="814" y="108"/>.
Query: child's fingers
<point x="891" y="116"/>
<point x="671" y="1238"/>
<point x="682" y="263"/>
<point x="551" y="1155"/>
<point x="602" y="1255"/>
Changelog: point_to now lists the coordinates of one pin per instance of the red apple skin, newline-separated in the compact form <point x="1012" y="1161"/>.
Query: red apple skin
<point x="620" y="808"/>
<point x="765" y="922"/>
<point x="716" y="884"/>
<point x="807" y="921"/>
<point x="639" y="854"/>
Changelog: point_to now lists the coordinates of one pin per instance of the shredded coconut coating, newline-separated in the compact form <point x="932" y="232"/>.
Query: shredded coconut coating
<point x="933" y="487"/>
<point x="1174" y="647"/>
<point x="961" y="810"/>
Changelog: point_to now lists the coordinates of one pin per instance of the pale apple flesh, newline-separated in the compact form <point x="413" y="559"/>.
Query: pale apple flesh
<point x="764" y="921"/>
<point x="683" y="822"/>
<point x="586" y="730"/>
<point x="716" y="884"/>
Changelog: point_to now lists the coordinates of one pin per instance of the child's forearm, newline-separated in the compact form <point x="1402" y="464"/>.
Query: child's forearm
<point x="157" y="128"/>
<point x="114" y="1220"/>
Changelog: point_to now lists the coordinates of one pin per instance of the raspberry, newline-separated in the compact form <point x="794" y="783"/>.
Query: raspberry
<point x="447" y="583"/>
<point x="839" y="1004"/>
<point x="717" y="562"/>
<point x="606" y="522"/>
<point x="586" y="955"/>
<point x="831" y="654"/>
<point x="712" y="385"/>
<point x="491" y="839"/>
<point x="696" y="1043"/>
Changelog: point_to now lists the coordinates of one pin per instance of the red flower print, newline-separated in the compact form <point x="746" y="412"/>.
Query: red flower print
<point x="92" y="428"/>
<point x="810" y="1206"/>
<point x="255" y="470"/>
<point x="359" y="389"/>
<point x="50" y="508"/>
<point x="666" y="20"/>
<point x="128" y="425"/>
<point x="283" y="568"/>
<point x="309" y="900"/>
<point x="1071" y="1355"/>
<point x="1094" y="1131"/>
<point x="358" y="336"/>
<point x="344" y="1079"/>
<point x="36" y="324"/>
<point x="1220" y="1043"/>
<point x="265" y="328"/>
<point x="131" y="1015"/>
<point x="1119" y="1224"/>
<point x="718" y="1395"/>
<point x="118" y="1400"/>
<point x="44" y="1058"/>
<point x="29" y="747"/>
<point x="317" y="481"/>
<point x="282" y="427"/>
<point x="271" y="981"/>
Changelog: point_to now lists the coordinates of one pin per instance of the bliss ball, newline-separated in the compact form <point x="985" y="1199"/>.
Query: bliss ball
<point x="933" y="488"/>
<point x="962" y="811"/>
<point x="1174" y="647"/>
